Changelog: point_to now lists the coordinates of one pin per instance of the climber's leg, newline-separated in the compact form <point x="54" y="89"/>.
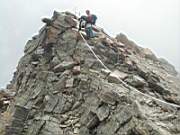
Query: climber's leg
<point x="87" y="32"/>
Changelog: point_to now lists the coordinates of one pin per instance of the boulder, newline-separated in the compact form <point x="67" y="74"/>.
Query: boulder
<point x="63" y="66"/>
<point x="149" y="54"/>
<point x="115" y="76"/>
<point x="109" y="96"/>
<point x="47" y="21"/>
<point x="76" y="70"/>
<point x="135" y="81"/>
<point x="105" y="72"/>
<point x="122" y="38"/>
<point x="31" y="45"/>
<point x="69" y="83"/>
<point x="103" y="112"/>
<point x="168" y="67"/>
<point x="52" y="35"/>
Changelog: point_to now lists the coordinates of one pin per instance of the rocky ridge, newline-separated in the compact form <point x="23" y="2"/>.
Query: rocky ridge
<point x="62" y="89"/>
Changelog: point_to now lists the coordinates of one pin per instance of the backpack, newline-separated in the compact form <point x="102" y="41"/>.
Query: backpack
<point x="93" y="19"/>
<point x="83" y="17"/>
<point x="82" y="22"/>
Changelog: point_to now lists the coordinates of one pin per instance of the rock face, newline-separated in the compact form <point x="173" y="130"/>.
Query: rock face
<point x="168" y="67"/>
<point x="6" y="97"/>
<point x="62" y="89"/>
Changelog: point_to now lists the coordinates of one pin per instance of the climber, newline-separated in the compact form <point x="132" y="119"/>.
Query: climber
<point x="89" y="20"/>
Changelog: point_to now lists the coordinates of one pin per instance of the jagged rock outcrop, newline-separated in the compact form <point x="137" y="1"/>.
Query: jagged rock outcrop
<point x="6" y="97"/>
<point x="62" y="89"/>
<point x="168" y="67"/>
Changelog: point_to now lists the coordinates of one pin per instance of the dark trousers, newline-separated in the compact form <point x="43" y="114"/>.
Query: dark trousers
<point x="89" y="32"/>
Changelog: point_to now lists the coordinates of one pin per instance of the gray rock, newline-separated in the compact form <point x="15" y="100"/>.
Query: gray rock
<point x="47" y="21"/>
<point x="122" y="38"/>
<point x="92" y="102"/>
<point x="51" y="128"/>
<point x="109" y="96"/>
<point x="31" y="45"/>
<point x="92" y="121"/>
<point x="149" y="54"/>
<point x="102" y="112"/>
<point x="84" y="131"/>
<point x="168" y="67"/>
<point x="63" y="66"/>
<point x="115" y="76"/>
<point x="69" y="83"/>
<point x="62" y="20"/>
<point x="135" y="81"/>
<point x="60" y="106"/>
<point x="40" y="51"/>
<point x="105" y="72"/>
<point x="36" y="127"/>
<point x="52" y="101"/>
<point x="76" y="70"/>
<point x="18" y="119"/>
<point x="55" y="61"/>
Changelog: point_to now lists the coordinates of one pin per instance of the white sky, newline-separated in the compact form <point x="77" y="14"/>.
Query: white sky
<point x="153" y="24"/>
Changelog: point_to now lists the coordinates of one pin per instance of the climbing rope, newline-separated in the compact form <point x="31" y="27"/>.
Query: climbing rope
<point x="125" y="84"/>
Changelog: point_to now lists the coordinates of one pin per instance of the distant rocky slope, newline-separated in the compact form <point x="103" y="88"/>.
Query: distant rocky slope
<point x="61" y="88"/>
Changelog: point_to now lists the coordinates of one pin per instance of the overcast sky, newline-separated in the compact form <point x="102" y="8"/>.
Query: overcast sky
<point x="153" y="24"/>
